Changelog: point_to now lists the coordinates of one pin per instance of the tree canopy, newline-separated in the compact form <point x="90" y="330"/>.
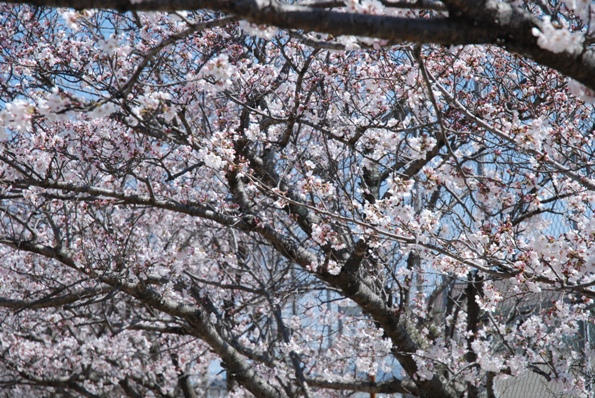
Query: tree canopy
<point x="304" y="199"/>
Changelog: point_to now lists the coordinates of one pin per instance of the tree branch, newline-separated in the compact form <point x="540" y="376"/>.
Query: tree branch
<point x="485" y="22"/>
<point x="198" y="321"/>
<point x="386" y="387"/>
<point x="48" y="301"/>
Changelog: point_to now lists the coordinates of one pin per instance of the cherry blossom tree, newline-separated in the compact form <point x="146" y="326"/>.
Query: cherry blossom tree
<point x="317" y="198"/>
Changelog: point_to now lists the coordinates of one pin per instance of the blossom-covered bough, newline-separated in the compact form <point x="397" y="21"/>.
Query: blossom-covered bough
<point x="313" y="199"/>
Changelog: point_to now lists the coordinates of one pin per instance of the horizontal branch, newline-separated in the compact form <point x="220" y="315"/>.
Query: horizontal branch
<point x="286" y="16"/>
<point x="48" y="302"/>
<point x="484" y="22"/>
<point x="191" y="209"/>
<point x="385" y="387"/>
<point x="285" y="245"/>
<point x="160" y="329"/>
<point x="64" y="382"/>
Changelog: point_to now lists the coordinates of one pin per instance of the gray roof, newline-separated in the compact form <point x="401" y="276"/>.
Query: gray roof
<point x="528" y="385"/>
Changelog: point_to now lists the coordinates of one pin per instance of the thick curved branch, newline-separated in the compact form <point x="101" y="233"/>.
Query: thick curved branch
<point x="402" y="336"/>
<point x="473" y="22"/>
<point x="272" y="12"/>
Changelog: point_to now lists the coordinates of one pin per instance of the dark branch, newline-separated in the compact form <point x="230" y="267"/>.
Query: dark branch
<point x="386" y="387"/>
<point x="484" y="22"/>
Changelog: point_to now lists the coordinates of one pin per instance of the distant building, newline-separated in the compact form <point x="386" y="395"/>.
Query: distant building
<point x="528" y="385"/>
<point x="515" y="307"/>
